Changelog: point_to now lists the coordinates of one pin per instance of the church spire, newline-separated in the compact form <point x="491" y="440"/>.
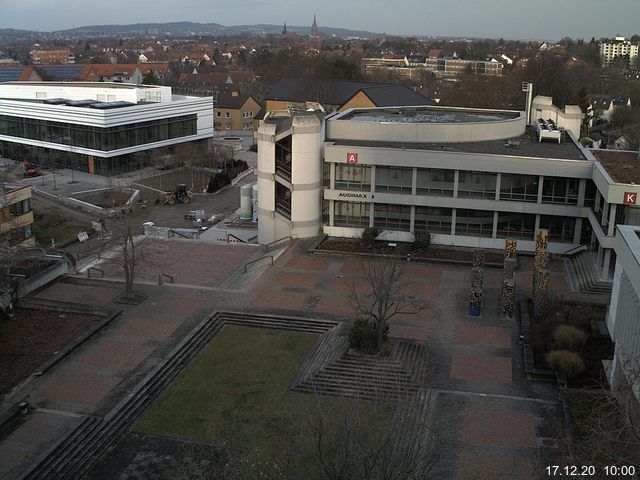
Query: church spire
<point x="284" y="30"/>
<point x="314" y="27"/>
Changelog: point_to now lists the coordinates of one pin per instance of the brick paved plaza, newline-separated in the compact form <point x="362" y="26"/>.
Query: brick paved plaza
<point x="488" y="417"/>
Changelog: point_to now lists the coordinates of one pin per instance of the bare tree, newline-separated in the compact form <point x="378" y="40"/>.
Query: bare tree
<point x="385" y="295"/>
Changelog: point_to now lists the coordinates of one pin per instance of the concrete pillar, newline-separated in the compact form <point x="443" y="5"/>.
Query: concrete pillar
<point x="414" y="181"/>
<point x="453" y="221"/>
<point x="596" y="206"/>
<point x="606" y="264"/>
<point x="494" y="232"/>
<point x="456" y="181"/>
<point x="612" y="219"/>
<point x="332" y="212"/>
<point x="540" y="185"/>
<point x="605" y="214"/>
<point x="599" y="256"/>
<point x="412" y="221"/>
<point x="582" y="188"/>
<point x="373" y="178"/>
<point x="332" y="178"/>
<point x="536" y="226"/>
<point x="498" y="180"/>
<point x="578" y="231"/>
<point x="371" y="213"/>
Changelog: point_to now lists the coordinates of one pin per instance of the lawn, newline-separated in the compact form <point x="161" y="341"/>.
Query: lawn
<point x="236" y="392"/>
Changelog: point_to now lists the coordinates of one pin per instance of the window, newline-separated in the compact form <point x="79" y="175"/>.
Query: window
<point x="560" y="190"/>
<point x="227" y="115"/>
<point x="392" y="217"/>
<point x="351" y="214"/>
<point x="561" y="229"/>
<point x="353" y="177"/>
<point x="394" y="179"/>
<point x="516" y="225"/>
<point x="434" y="181"/>
<point x="433" y="219"/>
<point x="219" y="114"/>
<point x="522" y="188"/>
<point x="477" y="184"/>
<point x="476" y="223"/>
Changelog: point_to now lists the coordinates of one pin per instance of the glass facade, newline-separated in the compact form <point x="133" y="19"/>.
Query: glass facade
<point x="474" y="223"/>
<point x="433" y="219"/>
<point x="347" y="214"/>
<point x="560" y="190"/>
<point x="96" y="138"/>
<point x="392" y="217"/>
<point x="520" y="188"/>
<point x="435" y="181"/>
<point x="477" y="184"/>
<point x="516" y="225"/>
<point x="394" y="179"/>
<point x="352" y="177"/>
<point x="561" y="229"/>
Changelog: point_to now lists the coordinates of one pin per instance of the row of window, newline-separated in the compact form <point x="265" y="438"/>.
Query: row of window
<point x="228" y="114"/>
<point x="475" y="223"/>
<point x="432" y="181"/>
<point x="96" y="138"/>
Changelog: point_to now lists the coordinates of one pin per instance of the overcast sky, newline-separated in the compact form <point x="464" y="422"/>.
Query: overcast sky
<point x="526" y="19"/>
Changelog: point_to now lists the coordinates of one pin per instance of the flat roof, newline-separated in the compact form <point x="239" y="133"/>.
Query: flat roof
<point x="525" y="145"/>
<point x="87" y="103"/>
<point x="428" y="115"/>
<point x="622" y="166"/>
<point x="129" y="86"/>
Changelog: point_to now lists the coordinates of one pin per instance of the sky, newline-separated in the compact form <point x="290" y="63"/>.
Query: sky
<point x="517" y="19"/>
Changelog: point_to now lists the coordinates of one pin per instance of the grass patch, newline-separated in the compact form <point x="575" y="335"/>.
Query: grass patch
<point x="53" y="226"/>
<point x="236" y="392"/>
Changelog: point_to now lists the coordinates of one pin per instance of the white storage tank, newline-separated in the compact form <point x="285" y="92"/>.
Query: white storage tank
<point x="246" y="212"/>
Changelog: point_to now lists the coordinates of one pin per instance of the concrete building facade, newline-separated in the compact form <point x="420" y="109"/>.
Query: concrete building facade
<point x="469" y="177"/>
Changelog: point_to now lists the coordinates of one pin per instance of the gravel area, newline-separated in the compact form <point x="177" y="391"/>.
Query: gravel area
<point x="32" y="336"/>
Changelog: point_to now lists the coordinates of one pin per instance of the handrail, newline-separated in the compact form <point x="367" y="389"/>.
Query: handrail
<point x="97" y="270"/>
<point x="232" y="235"/>
<point x="164" y="275"/>
<point x="270" y="257"/>
<point x="268" y="246"/>
<point x="181" y="234"/>
<point x="574" y="250"/>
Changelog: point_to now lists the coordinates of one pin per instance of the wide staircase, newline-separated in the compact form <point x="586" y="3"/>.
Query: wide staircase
<point x="332" y="369"/>
<point x="412" y="430"/>
<point x="585" y="276"/>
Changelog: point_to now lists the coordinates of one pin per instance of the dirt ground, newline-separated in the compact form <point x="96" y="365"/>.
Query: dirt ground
<point x="33" y="336"/>
<point x="106" y="199"/>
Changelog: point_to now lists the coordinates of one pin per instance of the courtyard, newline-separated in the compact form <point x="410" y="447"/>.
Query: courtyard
<point x="477" y="406"/>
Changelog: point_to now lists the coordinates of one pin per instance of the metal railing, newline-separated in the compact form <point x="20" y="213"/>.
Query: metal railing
<point x="272" y="245"/>
<point x="270" y="257"/>
<point x="90" y="269"/>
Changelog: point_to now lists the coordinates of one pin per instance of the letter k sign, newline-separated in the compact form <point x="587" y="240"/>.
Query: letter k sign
<point x="630" y="198"/>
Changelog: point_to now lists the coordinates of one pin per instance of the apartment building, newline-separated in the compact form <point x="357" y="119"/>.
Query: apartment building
<point x="235" y="112"/>
<point x="621" y="48"/>
<point x="16" y="218"/>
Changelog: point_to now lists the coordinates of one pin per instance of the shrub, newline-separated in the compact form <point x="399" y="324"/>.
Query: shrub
<point x="422" y="238"/>
<point x="369" y="235"/>
<point x="569" y="363"/>
<point x="218" y="181"/>
<point x="364" y="336"/>
<point x="567" y="337"/>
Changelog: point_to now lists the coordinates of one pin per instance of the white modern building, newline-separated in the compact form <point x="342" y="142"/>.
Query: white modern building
<point x="469" y="177"/>
<point x="619" y="47"/>
<point x="99" y="127"/>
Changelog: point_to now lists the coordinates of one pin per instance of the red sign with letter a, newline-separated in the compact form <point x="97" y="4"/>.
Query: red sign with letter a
<point x="352" y="158"/>
<point x="630" y="198"/>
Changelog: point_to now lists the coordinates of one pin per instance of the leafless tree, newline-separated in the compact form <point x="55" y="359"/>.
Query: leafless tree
<point x="385" y="295"/>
